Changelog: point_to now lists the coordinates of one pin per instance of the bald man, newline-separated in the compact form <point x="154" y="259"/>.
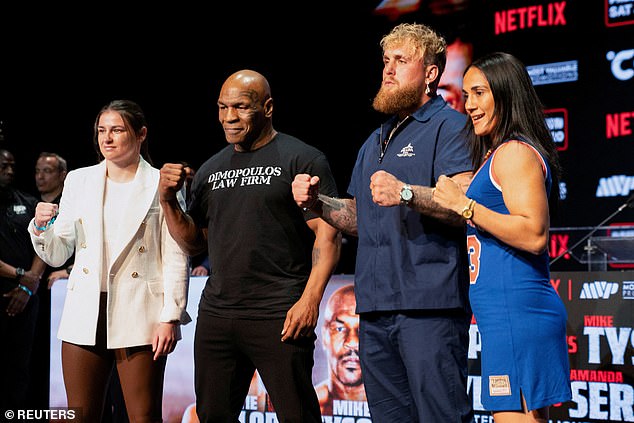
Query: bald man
<point x="340" y="340"/>
<point x="271" y="259"/>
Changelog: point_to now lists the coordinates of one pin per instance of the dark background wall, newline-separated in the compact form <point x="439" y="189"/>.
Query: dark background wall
<point x="323" y="60"/>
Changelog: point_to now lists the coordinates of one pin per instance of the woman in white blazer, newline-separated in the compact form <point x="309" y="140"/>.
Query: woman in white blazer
<point x="127" y="292"/>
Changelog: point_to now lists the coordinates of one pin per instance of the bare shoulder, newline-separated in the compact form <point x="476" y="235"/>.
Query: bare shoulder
<point x="516" y="149"/>
<point x="514" y="155"/>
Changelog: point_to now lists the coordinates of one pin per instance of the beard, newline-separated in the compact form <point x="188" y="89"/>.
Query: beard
<point x="392" y="102"/>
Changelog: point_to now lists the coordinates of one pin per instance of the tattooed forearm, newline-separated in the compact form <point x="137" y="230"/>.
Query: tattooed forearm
<point x="340" y="213"/>
<point x="424" y="204"/>
<point x="315" y="256"/>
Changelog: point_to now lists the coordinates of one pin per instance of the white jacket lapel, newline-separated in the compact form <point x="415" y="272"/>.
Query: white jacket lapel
<point x="142" y="197"/>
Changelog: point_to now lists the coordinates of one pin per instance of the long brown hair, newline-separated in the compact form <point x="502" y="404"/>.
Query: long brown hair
<point x="518" y="112"/>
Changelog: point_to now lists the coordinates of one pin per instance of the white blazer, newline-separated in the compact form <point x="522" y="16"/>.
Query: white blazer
<point x="148" y="280"/>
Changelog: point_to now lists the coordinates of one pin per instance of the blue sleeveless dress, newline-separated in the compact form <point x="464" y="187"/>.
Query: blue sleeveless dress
<point x="521" y="319"/>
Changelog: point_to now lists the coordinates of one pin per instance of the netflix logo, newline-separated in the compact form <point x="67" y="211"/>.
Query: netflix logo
<point x="540" y="15"/>
<point x="558" y="245"/>
<point x="618" y="124"/>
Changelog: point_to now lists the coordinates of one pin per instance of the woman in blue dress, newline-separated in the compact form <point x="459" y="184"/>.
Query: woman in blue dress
<point x="522" y="320"/>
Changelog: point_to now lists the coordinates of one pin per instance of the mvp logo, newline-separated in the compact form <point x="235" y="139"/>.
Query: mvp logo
<point x="598" y="289"/>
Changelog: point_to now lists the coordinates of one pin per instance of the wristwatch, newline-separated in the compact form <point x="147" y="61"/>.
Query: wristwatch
<point x="467" y="212"/>
<point x="406" y="194"/>
<point x="19" y="272"/>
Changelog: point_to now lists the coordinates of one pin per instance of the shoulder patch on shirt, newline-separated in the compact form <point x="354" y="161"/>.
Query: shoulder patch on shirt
<point x="499" y="386"/>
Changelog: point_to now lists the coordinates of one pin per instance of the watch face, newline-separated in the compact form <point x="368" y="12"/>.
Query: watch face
<point x="467" y="212"/>
<point x="406" y="194"/>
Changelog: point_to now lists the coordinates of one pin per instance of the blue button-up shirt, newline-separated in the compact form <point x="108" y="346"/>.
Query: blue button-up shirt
<point x="405" y="260"/>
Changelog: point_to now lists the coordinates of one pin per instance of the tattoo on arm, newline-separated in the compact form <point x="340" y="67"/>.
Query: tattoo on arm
<point x="424" y="204"/>
<point x="315" y="256"/>
<point x="340" y="213"/>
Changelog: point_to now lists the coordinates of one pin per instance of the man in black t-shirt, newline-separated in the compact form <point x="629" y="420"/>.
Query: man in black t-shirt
<point x="271" y="259"/>
<point x="20" y="273"/>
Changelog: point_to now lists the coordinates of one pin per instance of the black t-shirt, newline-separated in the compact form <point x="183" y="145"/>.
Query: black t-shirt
<point x="259" y="243"/>
<point x="17" y="208"/>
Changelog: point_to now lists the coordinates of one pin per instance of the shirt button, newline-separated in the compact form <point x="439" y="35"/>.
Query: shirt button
<point x="81" y="221"/>
<point x="83" y="245"/>
<point x="135" y="275"/>
<point x="85" y="270"/>
<point x="141" y="249"/>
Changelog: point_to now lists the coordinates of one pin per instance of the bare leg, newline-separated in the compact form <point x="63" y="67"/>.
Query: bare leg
<point x="539" y="415"/>
<point x="142" y="383"/>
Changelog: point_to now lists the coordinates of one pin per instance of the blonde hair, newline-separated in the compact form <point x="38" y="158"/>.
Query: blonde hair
<point x="424" y="43"/>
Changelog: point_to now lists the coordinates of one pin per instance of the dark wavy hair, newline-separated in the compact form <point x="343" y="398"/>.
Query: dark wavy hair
<point x="134" y="119"/>
<point x="518" y="113"/>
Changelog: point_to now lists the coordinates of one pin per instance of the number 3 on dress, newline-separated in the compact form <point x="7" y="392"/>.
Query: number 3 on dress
<point x="473" y="250"/>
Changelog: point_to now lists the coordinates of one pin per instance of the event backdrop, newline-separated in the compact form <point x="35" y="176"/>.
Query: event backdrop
<point x="600" y="344"/>
<point x="580" y="54"/>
